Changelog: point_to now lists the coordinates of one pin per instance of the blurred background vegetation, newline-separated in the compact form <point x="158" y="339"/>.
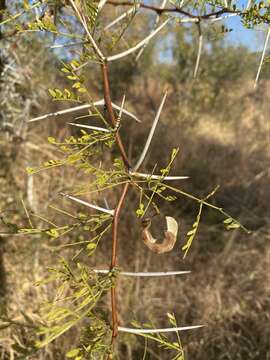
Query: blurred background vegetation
<point x="221" y="125"/>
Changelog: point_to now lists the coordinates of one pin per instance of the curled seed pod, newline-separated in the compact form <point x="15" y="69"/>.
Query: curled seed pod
<point x="169" y="240"/>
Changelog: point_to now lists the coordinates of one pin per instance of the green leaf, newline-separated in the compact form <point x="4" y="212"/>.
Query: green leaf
<point x="72" y="353"/>
<point x="174" y="153"/>
<point x="191" y="233"/>
<point x="52" y="93"/>
<point x="140" y="211"/>
<point x="72" y="77"/>
<point x="30" y="170"/>
<point x="171" y="318"/>
<point x="82" y="90"/>
<point x="65" y="70"/>
<point x="91" y="246"/>
<point x="234" y="225"/>
<point x="53" y="233"/>
<point x="77" y="85"/>
<point x="51" y="140"/>
<point x="58" y="93"/>
<point x="171" y="198"/>
<point x="67" y="93"/>
<point x="164" y="171"/>
<point x="74" y="64"/>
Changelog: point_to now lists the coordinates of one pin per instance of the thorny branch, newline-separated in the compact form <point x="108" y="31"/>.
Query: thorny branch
<point x="113" y="121"/>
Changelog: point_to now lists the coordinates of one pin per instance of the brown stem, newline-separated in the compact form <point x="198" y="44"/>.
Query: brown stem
<point x="108" y="102"/>
<point x="114" y="258"/>
<point x="115" y="225"/>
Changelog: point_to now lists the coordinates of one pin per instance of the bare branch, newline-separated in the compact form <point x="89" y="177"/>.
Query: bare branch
<point x="150" y="136"/>
<point x="177" y="10"/>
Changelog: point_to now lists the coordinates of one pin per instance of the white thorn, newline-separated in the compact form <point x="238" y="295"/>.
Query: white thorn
<point x="262" y="58"/>
<point x="220" y="18"/>
<point x="122" y="16"/>
<point x="111" y="212"/>
<point x="89" y="127"/>
<point x="157" y="177"/>
<point x="101" y="4"/>
<point x="146" y="274"/>
<point x="248" y="4"/>
<point x="84" y="24"/>
<point x="155" y="25"/>
<point x="151" y="134"/>
<point x="122" y="106"/>
<point x="198" y="56"/>
<point x="59" y="46"/>
<point x="153" y="331"/>
<point x="139" y="45"/>
<point x="60" y="112"/>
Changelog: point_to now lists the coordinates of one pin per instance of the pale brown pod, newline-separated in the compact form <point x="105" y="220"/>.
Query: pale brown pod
<point x="168" y="241"/>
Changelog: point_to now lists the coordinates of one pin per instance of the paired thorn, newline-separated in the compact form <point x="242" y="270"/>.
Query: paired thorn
<point x="83" y="107"/>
